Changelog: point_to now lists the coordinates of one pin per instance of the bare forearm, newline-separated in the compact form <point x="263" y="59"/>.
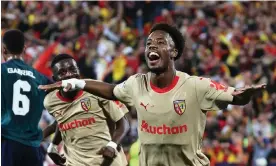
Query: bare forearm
<point x="122" y="128"/>
<point x="237" y="100"/>
<point x="100" y="89"/>
<point x="57" y="138"/>
<point x="49" y="130"/>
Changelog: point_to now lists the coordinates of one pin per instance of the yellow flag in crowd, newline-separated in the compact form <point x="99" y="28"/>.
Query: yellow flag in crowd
<point x="119" y="66"/>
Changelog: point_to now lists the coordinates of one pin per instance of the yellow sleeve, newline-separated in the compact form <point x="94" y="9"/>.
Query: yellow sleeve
<point x="212" y="95"/>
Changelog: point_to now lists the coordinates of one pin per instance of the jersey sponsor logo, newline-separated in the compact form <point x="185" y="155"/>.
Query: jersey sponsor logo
<point x="179" y="106"/>
<point x="218" y="86"/>
<point x="163" y="129"/>
<point x="21" y="72"/>
<point x="76" y="124"/>
<point x="85" y="104"/>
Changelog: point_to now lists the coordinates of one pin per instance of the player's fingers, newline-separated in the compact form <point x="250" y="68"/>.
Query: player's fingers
<point x="61" y="164"/>
<point x="63" y="157"/>
<point x="108" y="153"/>
<point x="50" y="86"/>
<point x="260" y="87"/>
<point x="61" y="161"/>
<point x="107" y="162"/>
<point x="43" y="87"/>
<point x="100" y="151"/>
<point x="67" y="88"/>
<point x="248" y="86"/>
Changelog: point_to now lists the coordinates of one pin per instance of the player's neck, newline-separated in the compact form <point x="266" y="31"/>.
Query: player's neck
<point x="164" y="79"/>
<point x="69" y="95"/>
<point x="11" y="56"/>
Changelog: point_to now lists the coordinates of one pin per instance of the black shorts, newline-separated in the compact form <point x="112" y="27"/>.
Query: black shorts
<point x="14" y="153"/>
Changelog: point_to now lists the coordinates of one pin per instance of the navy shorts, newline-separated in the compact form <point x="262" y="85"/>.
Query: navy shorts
<point x="16" y="154"/>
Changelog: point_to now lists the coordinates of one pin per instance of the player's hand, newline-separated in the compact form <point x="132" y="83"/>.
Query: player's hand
<point x="51" y="87"/>
<point x="57" y="159"/>
<point x="67" y="85"/>
<point x="108" y="152"/>
<point x="242" y="96"/>
<point x="249" y="90"/>
<point x="54" y="155"/>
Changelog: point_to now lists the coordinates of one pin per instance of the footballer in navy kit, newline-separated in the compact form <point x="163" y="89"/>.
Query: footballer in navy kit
<point x="21" y="105"/>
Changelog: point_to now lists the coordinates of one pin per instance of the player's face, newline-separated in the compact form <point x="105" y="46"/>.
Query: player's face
<point x="66" y="69"/>
<point x="159" y="51"/>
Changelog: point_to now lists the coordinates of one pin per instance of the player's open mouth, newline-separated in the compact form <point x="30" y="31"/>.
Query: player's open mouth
<point x="153" y="57"/>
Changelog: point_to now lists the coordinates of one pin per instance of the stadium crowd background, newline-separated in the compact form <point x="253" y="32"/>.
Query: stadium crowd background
<point x="233" y="43"/>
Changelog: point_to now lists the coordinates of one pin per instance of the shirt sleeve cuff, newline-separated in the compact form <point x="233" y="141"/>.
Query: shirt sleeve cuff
<point x="227" y="96"/>
<point x="116" y="91"/>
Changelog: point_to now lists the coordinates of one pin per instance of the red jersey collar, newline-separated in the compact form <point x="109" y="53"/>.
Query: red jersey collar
<point x="166" y="89"/>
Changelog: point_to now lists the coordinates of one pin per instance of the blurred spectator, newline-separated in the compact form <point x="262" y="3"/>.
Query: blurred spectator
<point x="261" y="150"/>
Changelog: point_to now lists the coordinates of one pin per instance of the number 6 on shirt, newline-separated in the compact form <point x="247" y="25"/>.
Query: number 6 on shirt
<point x="18" y="97"/>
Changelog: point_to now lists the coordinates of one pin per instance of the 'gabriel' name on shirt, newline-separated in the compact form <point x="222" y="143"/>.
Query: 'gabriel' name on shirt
<point x="21" y="72"/>
<point x="162" y="129"/>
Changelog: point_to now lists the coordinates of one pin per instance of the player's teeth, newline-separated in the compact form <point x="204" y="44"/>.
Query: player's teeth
<point x="154" y="53"/>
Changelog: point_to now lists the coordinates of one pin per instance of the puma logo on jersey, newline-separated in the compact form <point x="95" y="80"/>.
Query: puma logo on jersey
<point x="76" y="124"/>
<point x="163" y="129"/>
<point x="57" y="113"/>
<point x="145" y="106"/>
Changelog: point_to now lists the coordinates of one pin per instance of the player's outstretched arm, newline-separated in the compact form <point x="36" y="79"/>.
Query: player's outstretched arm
<point x="97" y="88"/>
<point x="243" y="96"/>
<point x="101" y="89"/>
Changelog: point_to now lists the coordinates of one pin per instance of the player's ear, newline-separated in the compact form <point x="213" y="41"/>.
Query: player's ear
<point x="5" y="51"/>
<point x="174" y="53"/>
<point x="24" y="49"/>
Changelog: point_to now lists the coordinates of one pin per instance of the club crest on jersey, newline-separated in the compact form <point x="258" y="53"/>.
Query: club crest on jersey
<point x="179" y="106"/>
<point x="85" y="104"/>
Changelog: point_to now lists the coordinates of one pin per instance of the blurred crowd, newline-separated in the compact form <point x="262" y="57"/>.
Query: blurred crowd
<point x="233" y="43"/>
